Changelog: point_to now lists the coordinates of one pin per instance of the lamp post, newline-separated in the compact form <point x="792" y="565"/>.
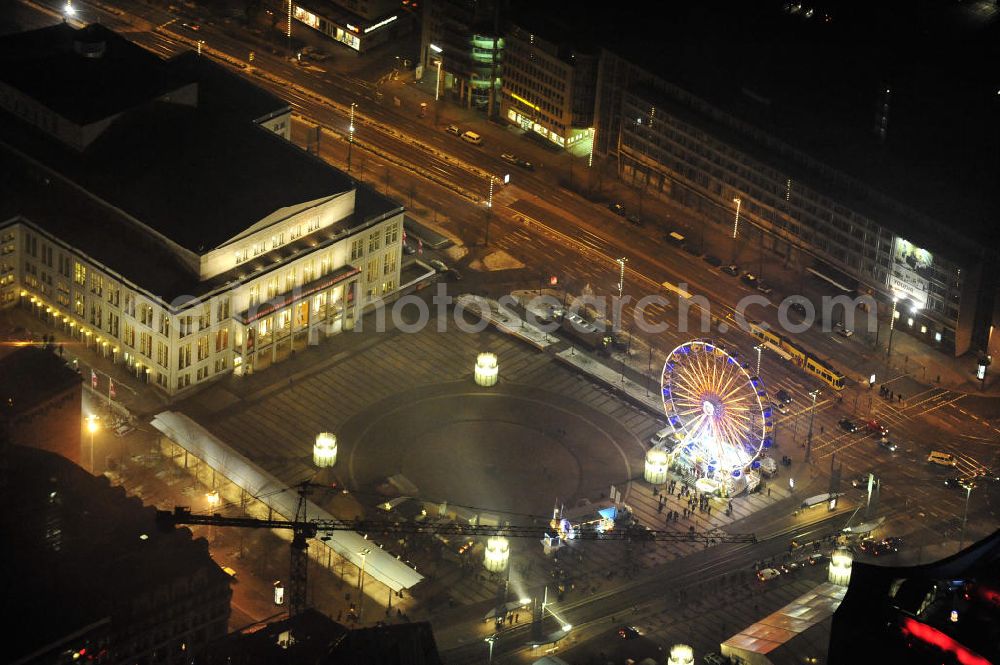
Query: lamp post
<point x="350" y="137"/>
<point x="213" y="503"/>
<point x="969" y="486"/>
<point x="736" y="222"/>
<point x="593" y="137"/>
<point x="92" y="427"/>
<point x="621" y="275"/>
<point x="361" y="584"/>
<point x="812" y="414"/>
<point x="892" y="326"/>
<point x="759" y="348"/>
<point x="490" y="640"/>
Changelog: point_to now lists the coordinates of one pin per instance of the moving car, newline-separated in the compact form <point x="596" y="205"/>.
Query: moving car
<point x="783" y="396"/>
<point x="893" y="543"/>
<point x="472" y="137"/>
<point x="955" y="483"/>
<point x="511" y="158"/>
<point x="628" y="632"/>
<point x="860" y="481"/>
<point x="438" y="265"/>
<point x="877" y="427"/>
<point x="228" y="571"/>
<point x="453" y="129"/>
<point x="674" y="238"/>
<point x="941" y="459"/>
<point x="617" y="207"/>
<point x="732" y="269"/>
<point x="886" y="444"/>
<point x="798" y="308"/>
<point x="408" y="248"/>
<point x="877" y="547"/>
<point x="662" y="436"/>
<point x="764" y="287"/>
<point x="847" y="425"/>
<point x="780" y="407"/>
<point x="712" y="260"/>
<point x="749" y="279"/>
<point x="766" y="574"/>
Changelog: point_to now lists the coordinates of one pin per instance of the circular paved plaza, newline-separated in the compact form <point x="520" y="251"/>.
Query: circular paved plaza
<point x="507" y="449"/>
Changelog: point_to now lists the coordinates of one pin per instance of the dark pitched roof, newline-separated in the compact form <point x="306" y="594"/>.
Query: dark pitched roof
<point x="220" y="91"/>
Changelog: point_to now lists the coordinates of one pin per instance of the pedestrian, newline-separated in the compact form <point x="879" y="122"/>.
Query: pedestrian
<point x="61" y="350"/>
<point x="822" y="429"/>
<point x="709" y="507"/>
<point x="769" y="492"/>
<point x="659" y="508"/>
<point x="900" y="398"/>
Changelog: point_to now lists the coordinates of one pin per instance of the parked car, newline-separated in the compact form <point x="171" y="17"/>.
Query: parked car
<point x="408" y="248"/>
<point x="438" y="265"/>
<point x="819" y="557"/>
<point x="675" y="238"/>
<point x="877" y="427"/>
<point x="691" y="249"/>
<point x="749" y="279"/>
<point x="453" y="129"/>
<point x="780" y="407"/>
<point x="764" y="287"/>
<point x="634" y="218"/>
<point x="508" y="157"/>
<point x="783" y="396"/>
<point x="453" y="274"/>
<point x="617" y="207"/>
<point x="712" y="260"/>
<point x="847" y="425"/>
<point x="732" y="269"/>
<point x="941" y="459"/>
<point x="798" y="308"/>
<point x="955" y="483"/>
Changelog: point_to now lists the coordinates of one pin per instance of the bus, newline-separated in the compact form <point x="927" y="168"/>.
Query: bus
<point x="809" y="362"/>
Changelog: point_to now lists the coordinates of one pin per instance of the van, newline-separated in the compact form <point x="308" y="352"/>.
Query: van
<point x="943" y="459"/>
<point x="472" y="137"/>
<point x="662" y="436"/>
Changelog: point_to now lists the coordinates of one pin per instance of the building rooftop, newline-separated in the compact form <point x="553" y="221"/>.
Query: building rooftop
<point x="813" y="75"/>
<point x="84" y="551"/>
<point x="84" y="74"/>
<point x="29" y="376"/>
<point x="222" y="92"/>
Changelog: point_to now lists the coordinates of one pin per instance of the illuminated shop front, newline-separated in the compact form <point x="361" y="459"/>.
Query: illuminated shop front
<point x="351" y="30"/>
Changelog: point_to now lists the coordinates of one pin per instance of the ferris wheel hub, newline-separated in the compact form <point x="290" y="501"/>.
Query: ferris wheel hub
<point x="708" y="408"/>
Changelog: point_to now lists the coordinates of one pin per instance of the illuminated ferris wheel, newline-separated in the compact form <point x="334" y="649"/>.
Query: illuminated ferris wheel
<point x="721" y="422"/>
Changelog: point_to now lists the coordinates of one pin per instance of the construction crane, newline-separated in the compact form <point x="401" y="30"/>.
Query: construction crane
<point x="305" y="529"/>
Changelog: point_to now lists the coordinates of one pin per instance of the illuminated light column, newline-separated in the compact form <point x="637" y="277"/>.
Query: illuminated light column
<point x="593" y="137"/>
<point x="736" y="222"/>
<point x="681" y="654"/>
<point x="288" y="28"/>
<point x="812" y="413"/>
<point x="325" y="450"/>
<point x="487" y="370"/>
<point x="840" y="567"/>
<point x="92" y="427"/>
<point x="497" y="554"/>
<point x="969" y="486"/>
<point x="350" y="137"/>
<point x="759" y="348"/>
<point x="655" y="471"/>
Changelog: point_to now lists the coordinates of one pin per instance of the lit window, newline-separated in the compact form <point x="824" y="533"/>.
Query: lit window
<point x="937" y="337"/>
<point x="895" y="314"/>
<point x="909" y="321"/>
<point x="923" y="329"/>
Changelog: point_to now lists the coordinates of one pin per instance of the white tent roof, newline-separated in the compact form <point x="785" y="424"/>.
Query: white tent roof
<point x="283" y="500"/>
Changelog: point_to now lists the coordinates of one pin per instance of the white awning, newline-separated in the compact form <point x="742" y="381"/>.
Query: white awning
<point x="283" y="499"/>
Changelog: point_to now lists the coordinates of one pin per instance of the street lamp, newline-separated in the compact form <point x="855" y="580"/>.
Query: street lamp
<point x="437" y="86"/>
<point x="892" y="326"/>
<point x="69" y="10"/>
<point x="621" y="275"/>
<point x="736" y="222"/>
<point x="350" y="137"/>
<point x="489" y="204"/>
<point x="969" y="486"/>
<point x="812" y="414"/>
<point x="92" y="427"/>
<point x="361" y="584"/>
<point x="490" y="640"/>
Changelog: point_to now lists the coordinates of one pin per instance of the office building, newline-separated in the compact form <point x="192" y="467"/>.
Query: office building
<point x="360" y="25"/>
<point x="874" y="166"/>
<point x="461" y="49"/>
